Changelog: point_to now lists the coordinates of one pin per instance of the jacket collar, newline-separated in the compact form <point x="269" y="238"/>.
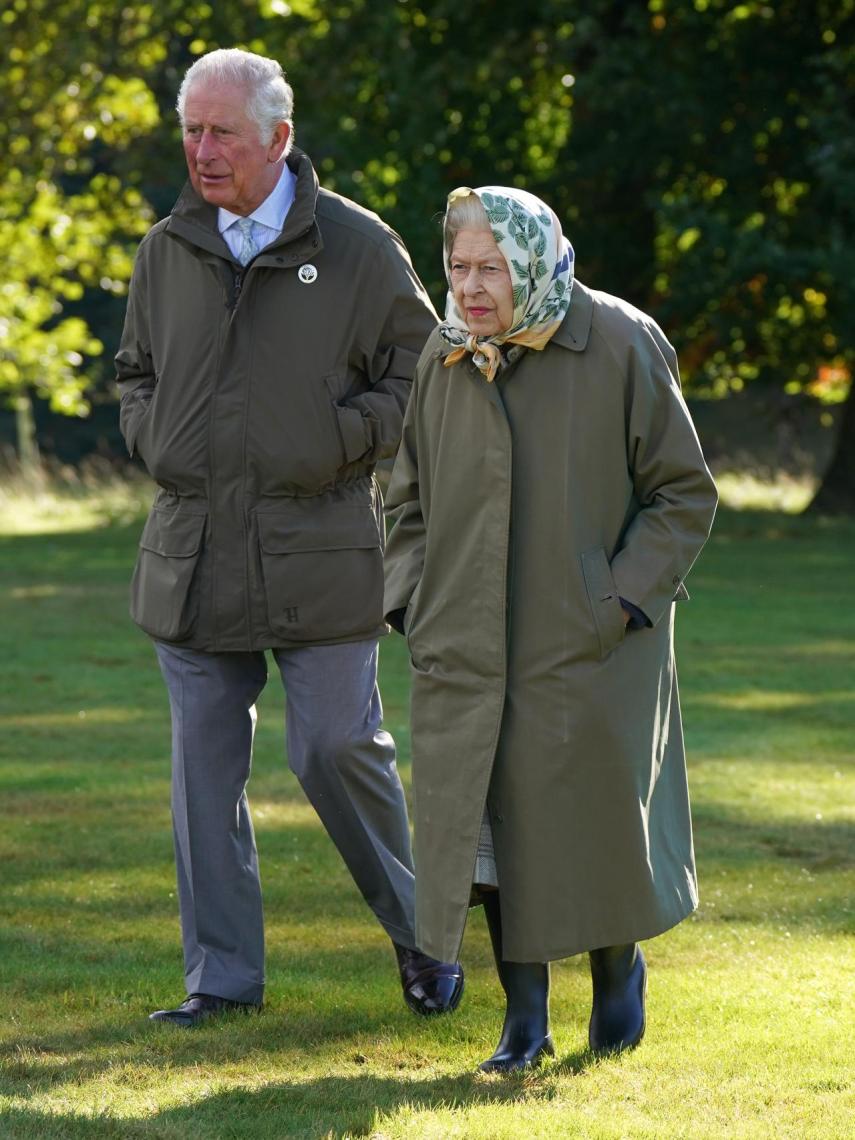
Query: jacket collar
<point x="574" y="330"/>
<point x="195" y="220"/>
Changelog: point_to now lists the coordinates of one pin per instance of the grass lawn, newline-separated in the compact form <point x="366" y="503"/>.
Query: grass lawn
<point x="750" y="1010"/>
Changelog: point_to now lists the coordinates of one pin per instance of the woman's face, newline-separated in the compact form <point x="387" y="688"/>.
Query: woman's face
<point x="481" y="283"/>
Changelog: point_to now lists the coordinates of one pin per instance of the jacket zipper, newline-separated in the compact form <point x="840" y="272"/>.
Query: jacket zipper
<point x="238" y="283"/>
<point x="238" y="287"/>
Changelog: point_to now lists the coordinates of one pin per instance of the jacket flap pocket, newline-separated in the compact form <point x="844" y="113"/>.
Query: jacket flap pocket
<point x="173" y="533"/>
<point x="305" y="527"/>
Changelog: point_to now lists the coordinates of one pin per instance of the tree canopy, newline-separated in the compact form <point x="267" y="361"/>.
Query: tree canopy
<point x="699" y="152"/>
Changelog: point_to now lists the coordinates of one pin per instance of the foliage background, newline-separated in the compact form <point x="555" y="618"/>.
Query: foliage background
<point x="699" y="152"/>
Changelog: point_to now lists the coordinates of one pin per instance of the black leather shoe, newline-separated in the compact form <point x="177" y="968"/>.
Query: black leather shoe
<point x="198" y="1008"/>
<point x="429" y="986"/>
<point x="618" y="1018"/>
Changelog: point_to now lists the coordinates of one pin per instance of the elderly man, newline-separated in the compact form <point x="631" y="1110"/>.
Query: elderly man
<point x="270" y="338"/>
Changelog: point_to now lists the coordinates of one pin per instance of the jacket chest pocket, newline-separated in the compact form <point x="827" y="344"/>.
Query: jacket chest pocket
<point x="322" y="567"/>
<point x="163" y="601"/>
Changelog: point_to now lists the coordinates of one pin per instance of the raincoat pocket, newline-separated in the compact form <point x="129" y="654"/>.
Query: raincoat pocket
<point x="163" y="602"/>
<point x="322" y="565"/>
<point x="603" y="600"/>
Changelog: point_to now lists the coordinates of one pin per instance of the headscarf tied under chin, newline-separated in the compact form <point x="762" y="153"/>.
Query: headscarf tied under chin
<point x="540" y="260"/>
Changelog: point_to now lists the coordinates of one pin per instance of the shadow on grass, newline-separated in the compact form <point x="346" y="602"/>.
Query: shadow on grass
<point x="114" y="935"/>
<point x="330" y="1106"/>
<point x="725" y="832"/>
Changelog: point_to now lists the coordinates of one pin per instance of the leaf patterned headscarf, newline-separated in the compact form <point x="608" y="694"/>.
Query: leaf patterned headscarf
<point x="540" y="260"/>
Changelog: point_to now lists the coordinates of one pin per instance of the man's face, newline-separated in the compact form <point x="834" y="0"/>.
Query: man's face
<point x="229" y="165"/>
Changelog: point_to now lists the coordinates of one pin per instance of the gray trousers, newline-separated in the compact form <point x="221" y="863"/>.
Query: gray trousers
<point x="345" y="763"/>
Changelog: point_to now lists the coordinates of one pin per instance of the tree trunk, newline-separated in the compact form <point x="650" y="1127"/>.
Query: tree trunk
<point x="28" y="447"/>
<point x="836" y="494"/>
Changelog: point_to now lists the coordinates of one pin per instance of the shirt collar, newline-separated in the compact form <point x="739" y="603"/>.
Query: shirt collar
<point x="272" y="211"/>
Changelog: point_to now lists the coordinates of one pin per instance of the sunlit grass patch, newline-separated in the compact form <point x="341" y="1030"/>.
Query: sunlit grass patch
<point x="766" y="701"/>
<point x="71" y="719"/>
<point x="63" y="498"/>
<point x="770" y="491"/>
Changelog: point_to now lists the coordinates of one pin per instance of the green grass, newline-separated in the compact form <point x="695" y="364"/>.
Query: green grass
<point x="750" y="1008"/>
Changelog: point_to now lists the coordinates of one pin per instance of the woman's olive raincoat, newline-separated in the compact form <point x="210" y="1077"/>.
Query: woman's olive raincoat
<point x="526" y="510"/>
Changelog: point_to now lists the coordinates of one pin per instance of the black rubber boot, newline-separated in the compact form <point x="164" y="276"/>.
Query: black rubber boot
<point x="525" y="1039"/>
<point x="619" y="977"/>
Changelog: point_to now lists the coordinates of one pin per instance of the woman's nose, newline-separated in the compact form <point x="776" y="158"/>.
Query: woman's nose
<point x="472" y="282"/>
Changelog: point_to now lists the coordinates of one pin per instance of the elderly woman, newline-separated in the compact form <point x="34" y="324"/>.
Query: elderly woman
<point x="550" y="496"/>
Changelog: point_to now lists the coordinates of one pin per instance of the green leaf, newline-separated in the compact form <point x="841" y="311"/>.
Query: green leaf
<point x="496" y="209"/>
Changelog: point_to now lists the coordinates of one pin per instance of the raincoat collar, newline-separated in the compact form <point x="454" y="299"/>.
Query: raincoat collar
<point x="575" y="328"/>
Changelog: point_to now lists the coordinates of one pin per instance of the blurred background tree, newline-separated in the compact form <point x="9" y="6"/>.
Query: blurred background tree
<point x="65" y="218"/>
<point x="699" y="152"/>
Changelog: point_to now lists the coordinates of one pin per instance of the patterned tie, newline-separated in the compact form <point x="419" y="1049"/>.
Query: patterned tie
<point x="248" y="248"/>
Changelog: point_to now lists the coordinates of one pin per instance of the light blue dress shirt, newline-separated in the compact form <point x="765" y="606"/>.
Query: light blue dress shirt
<point x="268" y="219"/>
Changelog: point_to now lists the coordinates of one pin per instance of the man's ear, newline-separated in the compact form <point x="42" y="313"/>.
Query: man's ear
<point x="278" y="142"/>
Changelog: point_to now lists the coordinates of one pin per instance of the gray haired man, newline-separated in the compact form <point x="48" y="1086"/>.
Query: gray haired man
<point x="271" y="334"/>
